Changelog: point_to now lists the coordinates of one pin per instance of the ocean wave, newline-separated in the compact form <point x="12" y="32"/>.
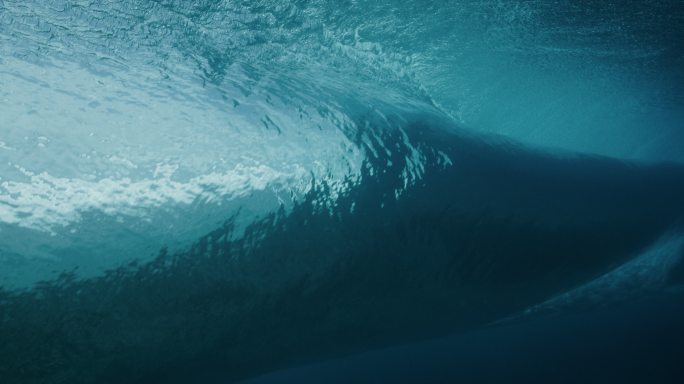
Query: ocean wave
<point x="183" y="183"/>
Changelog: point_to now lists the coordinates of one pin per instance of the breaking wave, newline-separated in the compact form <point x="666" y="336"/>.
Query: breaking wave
<point x="182" y="183"/>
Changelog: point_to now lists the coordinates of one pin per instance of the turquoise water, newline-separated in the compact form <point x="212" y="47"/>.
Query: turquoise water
<point x="213" y="190"/>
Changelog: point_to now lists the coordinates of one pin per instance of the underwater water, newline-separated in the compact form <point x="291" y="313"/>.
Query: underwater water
<point x="341" y="191"/>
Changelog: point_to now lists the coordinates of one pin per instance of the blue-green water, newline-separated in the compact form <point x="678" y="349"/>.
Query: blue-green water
<point x="209" y="191"/>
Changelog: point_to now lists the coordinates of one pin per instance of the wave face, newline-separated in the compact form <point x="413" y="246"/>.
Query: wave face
<point x="210" y="190"/>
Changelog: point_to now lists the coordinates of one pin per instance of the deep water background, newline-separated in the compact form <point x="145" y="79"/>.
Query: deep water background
<point x="639" y="342"/>
<point x="341" y="191"/>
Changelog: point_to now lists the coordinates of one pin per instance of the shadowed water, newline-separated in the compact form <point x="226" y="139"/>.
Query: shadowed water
<point x="211" y="190"/>
<point x="494" y="232"/>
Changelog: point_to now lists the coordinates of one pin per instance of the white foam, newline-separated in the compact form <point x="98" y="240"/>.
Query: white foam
<point x="6" y="147"/>
<point x="46" y="201"/>
<point x="75" y="140"/>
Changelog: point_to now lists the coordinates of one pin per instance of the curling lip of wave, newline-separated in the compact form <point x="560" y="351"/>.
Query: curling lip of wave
<point x="489" y="217"/>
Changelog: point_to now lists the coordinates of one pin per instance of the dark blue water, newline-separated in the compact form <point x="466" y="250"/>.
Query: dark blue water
<point x="639" y="342"/>
<point x="341" y="191"/>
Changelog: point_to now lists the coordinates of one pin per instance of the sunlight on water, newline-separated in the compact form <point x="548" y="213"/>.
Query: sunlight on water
<point x="185" y="182"/>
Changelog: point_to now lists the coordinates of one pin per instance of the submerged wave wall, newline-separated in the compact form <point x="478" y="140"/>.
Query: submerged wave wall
<point x="487" y="234"/>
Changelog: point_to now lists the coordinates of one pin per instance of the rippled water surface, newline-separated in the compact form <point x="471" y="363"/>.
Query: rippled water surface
<point x="213" y="190"/>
